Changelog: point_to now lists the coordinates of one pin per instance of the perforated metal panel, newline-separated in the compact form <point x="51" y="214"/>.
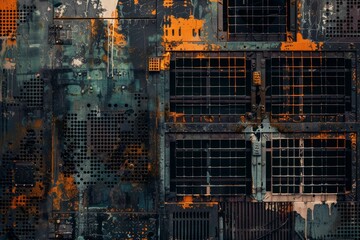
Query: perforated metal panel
<point x="115" y="143"/>
<point x="10" y="18"/>
<point x="23" y="171"/>
<point x="350" y="221"/>
<point x="342" y="20"/>
<point x="147" y="119"/>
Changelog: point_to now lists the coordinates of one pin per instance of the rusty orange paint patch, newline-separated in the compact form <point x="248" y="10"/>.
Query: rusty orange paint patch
<point x="183" y="34"/>
<point x="38" y="123"/>
<point x="38" y="190"/>
<point x="136" y="2"/>
<point x="64" y="190"/>
<point x="8" y="4"/>
<point x="168" y="3"/>
<point x="175" y="116"/>
<point x="11" y="23"/>
<point x="182" y="30"/>
<point x="301" y="44"/>
<point x="186" y="202"/>
<point x="104" y="58"/>
<point x="18" y="201"/>
<point x="153" y="12"/>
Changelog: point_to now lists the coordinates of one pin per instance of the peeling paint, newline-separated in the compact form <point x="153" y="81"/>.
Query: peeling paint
<point x="182" y="30"/>
<point x="301" y="44"/>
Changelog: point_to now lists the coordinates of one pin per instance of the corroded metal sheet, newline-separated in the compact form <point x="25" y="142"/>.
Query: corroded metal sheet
<point x="178" y="119"/>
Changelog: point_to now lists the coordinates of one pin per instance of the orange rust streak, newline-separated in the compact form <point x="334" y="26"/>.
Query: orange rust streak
<point x="325" y="135"/>
<point x="119" y="38"/>
<point x="165" y="62"/>
<point x="104" y="58"/>
<point x="94" y="27"/>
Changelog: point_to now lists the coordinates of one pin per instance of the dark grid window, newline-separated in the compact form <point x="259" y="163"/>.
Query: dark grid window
<point x="215" y="167"/>
<point x="256" y="20"/>
<point x="210" y="89"/>
<point x="319" y="164"/>
<point x="309" y="88"/>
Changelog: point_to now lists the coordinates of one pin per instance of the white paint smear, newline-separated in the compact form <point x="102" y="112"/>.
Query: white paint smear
<point x="109" y="6"/>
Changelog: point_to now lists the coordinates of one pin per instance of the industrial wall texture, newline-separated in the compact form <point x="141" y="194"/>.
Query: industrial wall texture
<point x="179" y="119"/>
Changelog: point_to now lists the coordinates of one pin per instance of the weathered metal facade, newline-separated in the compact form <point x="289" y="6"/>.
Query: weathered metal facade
<point x="179" y="119"/>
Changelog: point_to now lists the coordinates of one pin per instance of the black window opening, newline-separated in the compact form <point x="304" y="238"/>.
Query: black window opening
<point x="210" y="89"/>
<point x="309" y="165"/>
<point x="210" y="167"/>
<point x="256" y="20"/>
<point x="307" y="89"/>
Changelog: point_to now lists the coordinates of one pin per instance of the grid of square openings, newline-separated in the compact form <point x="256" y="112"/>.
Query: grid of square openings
<point x="215" y="167"/>
<point x="216" y="85"/>
<point x="312" y="164"/>
<point x="256" y="20"/>
<point x="309" y="87"/>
